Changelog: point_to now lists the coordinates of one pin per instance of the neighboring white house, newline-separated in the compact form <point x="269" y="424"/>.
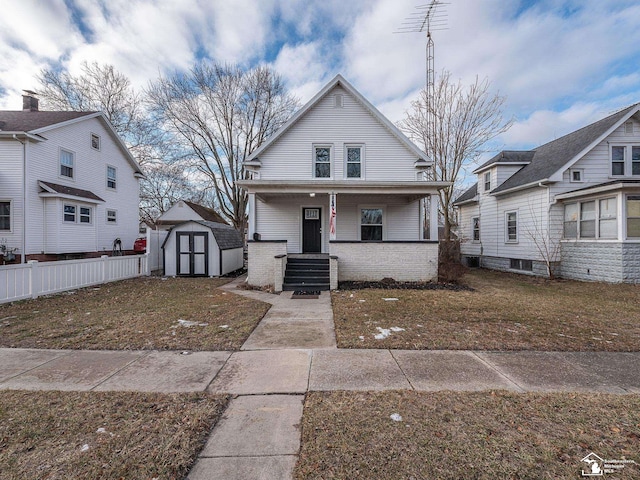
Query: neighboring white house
<point x="573" y="203"/>
<point x="68" y="185"/>
<point x="202" y="249"/>
<point x="339" y="180"/>
<point x="182" y="211"/>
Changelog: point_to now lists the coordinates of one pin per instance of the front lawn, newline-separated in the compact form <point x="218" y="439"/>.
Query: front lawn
<point x="503" y="312"/>
<point x="447" y="435"/>
<point x="142" y="313"/>
<point x="103" y="434"/>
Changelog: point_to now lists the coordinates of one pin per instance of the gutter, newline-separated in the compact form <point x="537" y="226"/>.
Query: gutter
<point x="538" y="183"/>
<point x="23" y="257"/>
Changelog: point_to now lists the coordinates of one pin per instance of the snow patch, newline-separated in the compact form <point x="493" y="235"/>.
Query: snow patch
<point x="385" y="332"/>
<point x="390" y="299"/>
<point x="223" y="326"/>
<point x="396" y="417"/>
<point x="188" y="324"/>
<point x="84" y="448"/>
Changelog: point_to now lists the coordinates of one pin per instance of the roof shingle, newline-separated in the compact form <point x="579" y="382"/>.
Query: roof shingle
<point x="26" y="121"/>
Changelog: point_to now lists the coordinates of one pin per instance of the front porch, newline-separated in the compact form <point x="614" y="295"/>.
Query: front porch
<point x="410" y="261"/>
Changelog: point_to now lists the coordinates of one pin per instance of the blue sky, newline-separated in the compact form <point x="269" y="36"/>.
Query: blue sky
<point x="561" y="63"/>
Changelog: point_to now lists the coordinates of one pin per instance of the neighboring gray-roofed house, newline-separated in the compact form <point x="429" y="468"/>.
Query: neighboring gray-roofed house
<point x="572" y="205"/>
<point x="69" y="188"/>
<point x="197" y="248"/>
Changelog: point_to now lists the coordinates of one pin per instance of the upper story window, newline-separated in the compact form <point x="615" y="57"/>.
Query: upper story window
<point x="511" y="227"/>
<point x="322" y="162"/>
<point x="95" y="141"/>
<point x="476" y="228"/>
<point x="67" y="162"/>
<point x="111" y="177"/>
<point x="354" y="161"/>
<point x="5" y="216"/>
<point x="371" y="224"/>
<point x="625" y="160"/>
<point x="487" y="181"/>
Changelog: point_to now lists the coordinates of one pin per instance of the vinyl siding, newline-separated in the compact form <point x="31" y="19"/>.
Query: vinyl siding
<point x="90" y="173"/>
<point x="11" y="189"/>
<point x="384" y="156"/>
<point x="281" y="218"/>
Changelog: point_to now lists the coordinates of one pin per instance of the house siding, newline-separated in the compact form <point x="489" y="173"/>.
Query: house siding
<point x="11" y="152"/>
<point x="291" y="157"/>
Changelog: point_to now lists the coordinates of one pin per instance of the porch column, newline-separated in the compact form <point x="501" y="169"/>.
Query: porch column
<point x="252" y="216"/>
<point x="332" y="216"/>
<point x="433" y="217"/>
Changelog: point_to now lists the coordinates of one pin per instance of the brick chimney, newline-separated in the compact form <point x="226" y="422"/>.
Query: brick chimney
<point x="29" y="101"/>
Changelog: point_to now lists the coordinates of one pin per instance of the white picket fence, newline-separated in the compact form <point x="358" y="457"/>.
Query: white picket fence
<point x="33" y="279"/>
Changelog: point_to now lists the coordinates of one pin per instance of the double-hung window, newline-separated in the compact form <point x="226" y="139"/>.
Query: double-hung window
<point x="371" y="224"/>
<point x="85" y="215"/>
<point x="571" y="211"/>
<point x="588" y="219"/>
<point x="512" y="227"/>
<point x="608" y="218"/>
<point x="111" y="177"/>
<point x="354" y="162"/>
<point x="322" y="162"/>
<point x="5" y="216"/>
<point x="112" y="216"/>
<point x="625" y="160"/>
<point x="633" y="216"/>
<point x="476" y="229"/>
<point x="66" y="163"/>
<point x="487" y="181"/>
<point x="69" y="213"/>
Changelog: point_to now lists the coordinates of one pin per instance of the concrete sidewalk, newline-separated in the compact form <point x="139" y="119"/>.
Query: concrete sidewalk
<point x="291" y="352"/>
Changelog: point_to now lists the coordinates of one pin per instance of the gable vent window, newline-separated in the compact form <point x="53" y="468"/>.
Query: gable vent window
<point x="338" y="101"/>
<point x="95" y="141"/>
<point x="628" y="128"/>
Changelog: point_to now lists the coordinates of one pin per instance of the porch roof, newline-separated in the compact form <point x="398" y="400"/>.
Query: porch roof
<point x="614" y="185"/>
<point x="276" y="188"/>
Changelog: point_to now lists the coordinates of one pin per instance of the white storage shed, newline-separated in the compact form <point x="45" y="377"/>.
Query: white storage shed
<point x="202" y="249"/>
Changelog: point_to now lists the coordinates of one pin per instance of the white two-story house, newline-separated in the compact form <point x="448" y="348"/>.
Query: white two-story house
<point x="336" y="195"/>
<point x="572" y="204"/>
<point x="68" y="185"/>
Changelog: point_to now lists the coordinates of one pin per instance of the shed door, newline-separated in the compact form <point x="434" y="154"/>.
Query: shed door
<point x="311" y="231"/>
<point x="192" y="253"/>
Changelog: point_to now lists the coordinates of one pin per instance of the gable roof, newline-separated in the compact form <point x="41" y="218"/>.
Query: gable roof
<point x="39" y="121"/>
<point x="468" y="195"/>
<point x="27" y="121"/>
<point x="558" y="155"/>
<point x="508" y="157"/>
<point x="226" y="236"/>
<point x="339" y="80"/>
<point x="207" y="214"/>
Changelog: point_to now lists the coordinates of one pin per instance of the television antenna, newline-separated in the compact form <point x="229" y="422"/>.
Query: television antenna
<point x="427" y="18"/>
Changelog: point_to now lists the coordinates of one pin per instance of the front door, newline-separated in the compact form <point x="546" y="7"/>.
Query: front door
<point x="192" y="253"/>
<point x="311" y="230"/>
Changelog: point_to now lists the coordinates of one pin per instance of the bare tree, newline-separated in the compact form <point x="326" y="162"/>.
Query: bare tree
<point x="548" y="248"/>
<point x="221" y="114"/>
<point x="452" y="126"/>
<point x="103" y="88"/>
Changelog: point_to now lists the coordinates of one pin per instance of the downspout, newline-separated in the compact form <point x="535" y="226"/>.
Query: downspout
<point x="550" y="205"/>
<point x="23" y="257"/>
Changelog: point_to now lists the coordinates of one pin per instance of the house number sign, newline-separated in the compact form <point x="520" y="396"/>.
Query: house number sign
<point x="312" y="214"/>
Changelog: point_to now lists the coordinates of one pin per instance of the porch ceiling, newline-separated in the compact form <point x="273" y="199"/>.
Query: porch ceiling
<point x="266" y="189"/>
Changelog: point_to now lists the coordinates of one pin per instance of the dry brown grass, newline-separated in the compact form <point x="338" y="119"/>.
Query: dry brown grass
<point x="505" y="312"/>
<point x="134" y="314"/>
<point x="447" y="435"/>
<point x="42" y="434"/>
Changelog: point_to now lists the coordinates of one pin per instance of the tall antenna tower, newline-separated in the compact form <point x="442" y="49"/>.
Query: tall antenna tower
<point x="427" y="18"/>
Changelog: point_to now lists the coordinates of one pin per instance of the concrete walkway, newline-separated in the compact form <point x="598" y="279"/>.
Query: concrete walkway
<point x="291" y="352"/>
